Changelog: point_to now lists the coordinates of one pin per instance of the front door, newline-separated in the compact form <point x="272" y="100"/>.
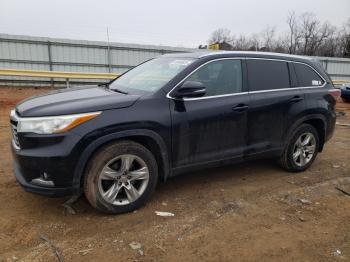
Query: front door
<point x="211" y="127"/>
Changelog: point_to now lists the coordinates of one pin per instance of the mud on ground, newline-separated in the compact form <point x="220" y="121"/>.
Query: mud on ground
<point x="247" y="212"/>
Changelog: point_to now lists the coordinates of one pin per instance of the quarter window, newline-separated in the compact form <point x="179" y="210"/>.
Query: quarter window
<point x="267" y="74"/>
<point x="307" y="76"/>
<point x="220" y="77"/>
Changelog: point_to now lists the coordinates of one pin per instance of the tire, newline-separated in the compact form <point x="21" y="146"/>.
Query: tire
<point x="293" y="147"/>
<point x="111" y="174"/>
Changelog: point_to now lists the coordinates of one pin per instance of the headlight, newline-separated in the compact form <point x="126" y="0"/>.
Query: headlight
<point x="53" y="124"/>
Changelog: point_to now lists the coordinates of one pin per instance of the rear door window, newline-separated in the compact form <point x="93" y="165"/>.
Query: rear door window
<point x="267" y="74"/>
<point x="306" y="76"/>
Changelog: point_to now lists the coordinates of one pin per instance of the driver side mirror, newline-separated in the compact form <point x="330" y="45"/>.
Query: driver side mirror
<point x="190" y="89"/>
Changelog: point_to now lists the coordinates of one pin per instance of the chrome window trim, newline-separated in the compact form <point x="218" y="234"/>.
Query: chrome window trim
<point x="208" y="97"/>
<point x="283" y="89"/>
<point x="248" y="92"/>
<point x="295" y="62"/>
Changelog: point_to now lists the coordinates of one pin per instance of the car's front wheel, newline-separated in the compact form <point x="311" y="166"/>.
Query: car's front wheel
<point x="301" y="150"/>
<point x="120" y="177"/>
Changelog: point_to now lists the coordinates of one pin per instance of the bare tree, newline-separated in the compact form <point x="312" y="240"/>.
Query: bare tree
<point x="254" y="42"/>
<point x="268" y="35"/>
<point x="324" y="34"/>
<point x="309" y="28"/>
<point x="220" y="35"/>
<point x="344" y="39"/>
<point x="281" y="44"/>
<point x="294" y="33"/>
<point x="306" y="35"/>
<point x="241" y="43"/>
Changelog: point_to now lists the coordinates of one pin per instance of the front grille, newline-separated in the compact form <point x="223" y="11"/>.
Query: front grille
<point x="15" y="136"/>
<point x="14" y="123"/>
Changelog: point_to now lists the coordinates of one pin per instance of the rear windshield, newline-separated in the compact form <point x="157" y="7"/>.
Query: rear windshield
<point x="151" y="75"/>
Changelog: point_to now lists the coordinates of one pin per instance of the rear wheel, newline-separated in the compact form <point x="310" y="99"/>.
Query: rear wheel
<point x="301" y="150"/>
<point x="120" y="177"/>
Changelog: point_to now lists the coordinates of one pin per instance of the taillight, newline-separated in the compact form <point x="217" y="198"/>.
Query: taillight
<point x="334" y="92"/>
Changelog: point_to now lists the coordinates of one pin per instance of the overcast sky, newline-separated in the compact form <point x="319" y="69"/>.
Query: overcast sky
<point x="185" y="23"/>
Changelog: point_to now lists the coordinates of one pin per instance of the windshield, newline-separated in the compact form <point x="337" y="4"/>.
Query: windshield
<point x="151" y="75"/>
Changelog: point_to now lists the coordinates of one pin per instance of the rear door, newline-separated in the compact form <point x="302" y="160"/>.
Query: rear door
<point x="274" y="102"/>
<point x="311" y="83"/>
<point x="317" y="98"/>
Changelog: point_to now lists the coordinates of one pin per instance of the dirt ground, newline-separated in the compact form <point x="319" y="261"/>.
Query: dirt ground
<point x="247" y="212"/>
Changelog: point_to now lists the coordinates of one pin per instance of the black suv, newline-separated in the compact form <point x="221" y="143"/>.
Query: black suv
<point x="168" y="115"/>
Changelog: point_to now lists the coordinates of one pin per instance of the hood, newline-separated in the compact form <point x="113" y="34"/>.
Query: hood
<point x="73" y="101"/>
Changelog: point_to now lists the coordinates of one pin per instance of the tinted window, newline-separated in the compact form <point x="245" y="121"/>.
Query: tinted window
<point x="220" y="77"/>
<point x="267" y="74"/>
<point x="307" y="76"/>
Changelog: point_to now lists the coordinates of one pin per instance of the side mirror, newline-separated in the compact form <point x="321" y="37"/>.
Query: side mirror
<point x="190" y="89"/>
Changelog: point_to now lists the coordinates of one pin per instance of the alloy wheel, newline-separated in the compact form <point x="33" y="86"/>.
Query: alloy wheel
<point x="304" y="149"/>
<point x="123" y="179"/>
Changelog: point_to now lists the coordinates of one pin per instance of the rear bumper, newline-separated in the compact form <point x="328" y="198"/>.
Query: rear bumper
<point x="330" y="126"/>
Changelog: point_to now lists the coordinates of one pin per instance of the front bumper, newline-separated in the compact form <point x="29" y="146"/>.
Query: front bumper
<point x="41" y="190"/>
<point x="46" y="164"/>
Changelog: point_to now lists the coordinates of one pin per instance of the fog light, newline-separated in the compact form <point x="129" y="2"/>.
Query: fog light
<point x="42" y="182"/>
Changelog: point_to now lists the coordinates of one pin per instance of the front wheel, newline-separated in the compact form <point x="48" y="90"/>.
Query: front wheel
<point x="120" y="177"/>
<point x="301" y="150"/>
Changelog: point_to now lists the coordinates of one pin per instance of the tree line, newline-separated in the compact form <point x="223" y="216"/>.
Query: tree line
<point x="306" y="35"/>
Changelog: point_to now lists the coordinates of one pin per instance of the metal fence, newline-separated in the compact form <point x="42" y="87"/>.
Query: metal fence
<point x="337" y="68"/>
<point x="51" y="54"/>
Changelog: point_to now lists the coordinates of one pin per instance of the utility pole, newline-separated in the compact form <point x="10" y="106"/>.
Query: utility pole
<point x="109" y="58"/>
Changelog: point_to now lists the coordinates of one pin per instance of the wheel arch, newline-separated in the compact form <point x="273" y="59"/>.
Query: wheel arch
<point x="317" y="121"/>
<point x="149" y="139"/>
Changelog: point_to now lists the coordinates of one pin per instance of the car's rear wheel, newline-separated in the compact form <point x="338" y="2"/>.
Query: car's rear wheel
<point x="120" y="177"/>
<point x="301" y="150"/>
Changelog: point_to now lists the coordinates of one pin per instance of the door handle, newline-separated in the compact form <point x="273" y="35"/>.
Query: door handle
<point x="240" y="108"/>
<point x="296" y="99"/>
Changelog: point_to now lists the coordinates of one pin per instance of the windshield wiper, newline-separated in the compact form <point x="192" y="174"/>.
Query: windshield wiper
<point x="119" y="91"/>
<point x="113" y="89"/>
